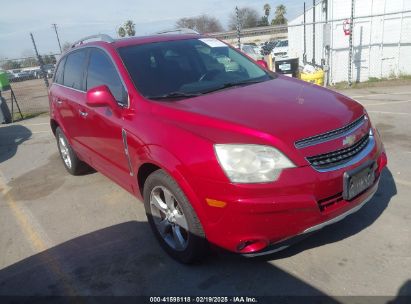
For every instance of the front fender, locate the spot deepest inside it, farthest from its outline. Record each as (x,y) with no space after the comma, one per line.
(165,160)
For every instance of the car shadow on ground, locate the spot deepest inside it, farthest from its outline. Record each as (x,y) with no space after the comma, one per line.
(352,224)
(126,260)
(11,136)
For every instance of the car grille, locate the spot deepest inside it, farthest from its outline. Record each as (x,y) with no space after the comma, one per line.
(338,157)
(313,140)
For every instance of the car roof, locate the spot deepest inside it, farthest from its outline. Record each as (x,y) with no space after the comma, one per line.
(153,38)
(129,41)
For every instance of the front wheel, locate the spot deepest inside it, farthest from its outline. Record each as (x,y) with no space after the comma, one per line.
(173,219)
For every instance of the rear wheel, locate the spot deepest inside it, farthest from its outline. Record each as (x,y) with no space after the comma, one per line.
(173,219)
(70,160)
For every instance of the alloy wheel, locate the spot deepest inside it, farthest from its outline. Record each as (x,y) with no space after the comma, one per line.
(169,218)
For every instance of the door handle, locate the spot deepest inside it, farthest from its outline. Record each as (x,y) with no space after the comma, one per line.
(83,113)
(59,101)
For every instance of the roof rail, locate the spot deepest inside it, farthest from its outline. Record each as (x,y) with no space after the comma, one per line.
(178,31)
(102,37)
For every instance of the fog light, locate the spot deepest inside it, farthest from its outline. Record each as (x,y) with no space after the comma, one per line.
(251,246)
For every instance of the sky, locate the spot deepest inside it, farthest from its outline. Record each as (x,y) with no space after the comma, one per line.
(79,18)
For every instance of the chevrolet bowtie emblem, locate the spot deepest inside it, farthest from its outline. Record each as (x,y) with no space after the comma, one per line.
(349,140)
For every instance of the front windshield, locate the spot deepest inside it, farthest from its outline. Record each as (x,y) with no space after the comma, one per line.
(192,66)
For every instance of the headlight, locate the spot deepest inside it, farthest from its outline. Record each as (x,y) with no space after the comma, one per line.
(251,163)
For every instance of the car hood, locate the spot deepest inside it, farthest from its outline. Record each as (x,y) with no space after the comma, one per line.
(283,108)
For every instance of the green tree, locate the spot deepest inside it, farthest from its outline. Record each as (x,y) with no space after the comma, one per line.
(29,62)
(10,65)
(66,46)
(202,24)
(127,29)
(121,32)
(248,17)
(267,10)
(49,59)
(264,19)
(279,18)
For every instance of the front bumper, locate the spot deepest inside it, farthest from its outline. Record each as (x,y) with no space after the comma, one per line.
(290,241)
(264,218)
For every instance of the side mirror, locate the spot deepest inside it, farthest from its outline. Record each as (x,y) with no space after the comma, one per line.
(262,63)
(100,97)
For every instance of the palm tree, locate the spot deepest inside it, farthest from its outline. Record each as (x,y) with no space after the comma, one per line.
(129,26)
(128,29)
(121,32)
(279,18)
(267,10)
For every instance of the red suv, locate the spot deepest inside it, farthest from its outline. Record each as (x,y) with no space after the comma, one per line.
(220,150)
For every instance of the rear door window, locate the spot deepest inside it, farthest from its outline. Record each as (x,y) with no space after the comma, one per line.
(74,70)
(101,71)
(59,72)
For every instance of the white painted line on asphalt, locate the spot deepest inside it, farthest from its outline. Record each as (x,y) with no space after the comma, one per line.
(35,235)
(386,103)
(394,113)
(31,228)
(379,94)
(36,124)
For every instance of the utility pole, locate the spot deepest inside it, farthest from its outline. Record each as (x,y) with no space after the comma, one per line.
(350,45)
(40,60)
(238,28)
(57,34)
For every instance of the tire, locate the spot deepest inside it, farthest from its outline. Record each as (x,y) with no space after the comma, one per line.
(175,217)
(71,162)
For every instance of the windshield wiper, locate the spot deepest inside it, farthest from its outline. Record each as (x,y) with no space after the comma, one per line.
(232,84)
(174,95)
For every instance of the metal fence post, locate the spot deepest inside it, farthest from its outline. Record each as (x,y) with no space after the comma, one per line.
(350,51)
(399,41)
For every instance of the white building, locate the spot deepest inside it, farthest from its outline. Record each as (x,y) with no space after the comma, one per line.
(381,38)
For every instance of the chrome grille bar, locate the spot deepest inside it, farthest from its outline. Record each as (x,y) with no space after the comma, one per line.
(327,136)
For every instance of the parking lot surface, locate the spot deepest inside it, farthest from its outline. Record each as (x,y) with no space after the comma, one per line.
(85,235)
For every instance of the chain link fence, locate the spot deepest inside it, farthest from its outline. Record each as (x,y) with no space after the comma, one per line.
(27,82)
(350,40)
(380,33)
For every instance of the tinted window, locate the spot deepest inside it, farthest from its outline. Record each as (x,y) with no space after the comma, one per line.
(194,66)
(73,71)
(101,71)
(59,73)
